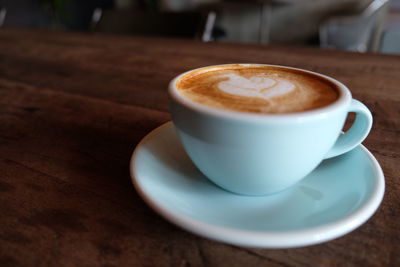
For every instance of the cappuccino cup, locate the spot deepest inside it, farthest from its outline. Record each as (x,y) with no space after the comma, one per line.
(256,129)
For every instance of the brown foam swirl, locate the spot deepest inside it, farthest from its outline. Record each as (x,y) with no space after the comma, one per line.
(257,89)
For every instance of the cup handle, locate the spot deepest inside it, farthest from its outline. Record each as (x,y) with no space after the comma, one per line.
(357,132)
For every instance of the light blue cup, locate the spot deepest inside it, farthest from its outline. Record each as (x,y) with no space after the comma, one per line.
(259,154)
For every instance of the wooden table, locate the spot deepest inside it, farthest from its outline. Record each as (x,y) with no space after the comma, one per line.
(72,109)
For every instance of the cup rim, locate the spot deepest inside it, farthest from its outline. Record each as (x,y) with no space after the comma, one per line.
(343,100)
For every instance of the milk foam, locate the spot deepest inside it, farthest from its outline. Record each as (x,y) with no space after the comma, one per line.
(257,89)
(255,86)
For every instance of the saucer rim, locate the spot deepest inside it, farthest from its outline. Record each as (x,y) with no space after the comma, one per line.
(263,239)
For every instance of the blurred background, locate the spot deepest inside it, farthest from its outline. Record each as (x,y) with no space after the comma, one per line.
(353,25)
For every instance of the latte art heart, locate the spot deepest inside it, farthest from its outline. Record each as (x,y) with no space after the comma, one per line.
(255,86)
(256,89)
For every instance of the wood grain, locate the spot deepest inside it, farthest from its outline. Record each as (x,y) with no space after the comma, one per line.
(72,109)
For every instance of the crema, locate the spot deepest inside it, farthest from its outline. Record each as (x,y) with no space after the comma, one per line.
(257,89)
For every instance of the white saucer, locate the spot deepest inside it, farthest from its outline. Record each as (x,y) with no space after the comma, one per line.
(340,195)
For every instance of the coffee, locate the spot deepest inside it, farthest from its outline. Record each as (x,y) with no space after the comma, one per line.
(244,152)
(257,89)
